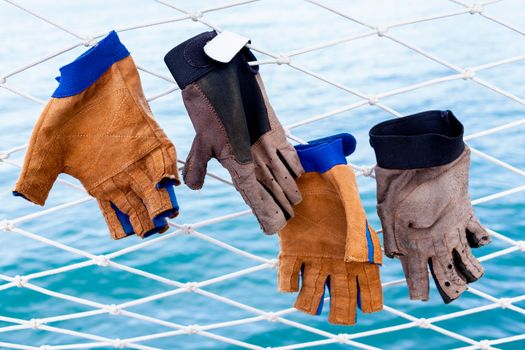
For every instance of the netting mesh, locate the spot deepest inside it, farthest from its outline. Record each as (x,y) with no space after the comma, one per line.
(86,339)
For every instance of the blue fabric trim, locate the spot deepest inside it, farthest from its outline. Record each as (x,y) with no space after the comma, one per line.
(159,221)
(80,74)
(168,185)
(124,220)
(320,306)
(358,296)
(323,154)
(370,244)
(321,303)
(18,194)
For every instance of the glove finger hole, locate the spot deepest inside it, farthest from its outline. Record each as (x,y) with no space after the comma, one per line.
(321,300)
(449,281)
(130,204)
(313,280)
(124,220)
(476,234)
(444,295)
(468,266)
(170,209)
(159,198)
(283,183)
(285,208)
(115,226)
(294,173)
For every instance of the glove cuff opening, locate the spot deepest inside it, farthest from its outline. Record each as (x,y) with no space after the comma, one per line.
(80,74)
(421,140)
(323,154)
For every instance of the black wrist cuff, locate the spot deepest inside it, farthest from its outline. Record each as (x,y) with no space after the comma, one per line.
(421,140)
(188,62)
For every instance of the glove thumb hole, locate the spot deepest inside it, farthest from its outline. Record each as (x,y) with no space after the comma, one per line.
(476,235)
(389,243)
(196,166)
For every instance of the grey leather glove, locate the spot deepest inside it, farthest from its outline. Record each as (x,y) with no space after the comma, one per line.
(423,202)
(236,124)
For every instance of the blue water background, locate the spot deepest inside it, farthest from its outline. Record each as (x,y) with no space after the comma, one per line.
(372,65)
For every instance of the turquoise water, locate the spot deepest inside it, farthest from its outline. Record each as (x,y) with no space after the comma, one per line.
(372,65)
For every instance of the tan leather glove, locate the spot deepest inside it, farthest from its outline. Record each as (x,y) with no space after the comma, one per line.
(99,128)
(235,123)
(423,202)
(329,241)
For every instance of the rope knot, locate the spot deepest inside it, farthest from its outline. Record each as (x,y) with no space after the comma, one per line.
(271,317)
(20,281)
(468,74)
(484,344)
(195,15)
(193,329)
(35,323)
(476,8)
(114,309)
(368,172)
(101,260)
(187,229)
(521,245)
(90,41)
(504,303)
(342,337)
(423,323)
(282,59)
(3,155)
(3,80)
(190,287)
(6,225)
(372,100)
(381,30)
(119,344)
(273,263)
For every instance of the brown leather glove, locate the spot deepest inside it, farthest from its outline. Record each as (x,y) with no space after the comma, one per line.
(329,241)
(423,202)
(235,123)
(99,128)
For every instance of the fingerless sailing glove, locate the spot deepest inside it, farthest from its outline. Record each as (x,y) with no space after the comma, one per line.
(98,128)
(235,123)
(329,241)
(423,202)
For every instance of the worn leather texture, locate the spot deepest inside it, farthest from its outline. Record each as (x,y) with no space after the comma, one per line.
(326,243)
(428,220)
(235,123)
(107,138)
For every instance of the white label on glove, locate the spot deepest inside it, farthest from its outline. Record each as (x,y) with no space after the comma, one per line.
(224,46)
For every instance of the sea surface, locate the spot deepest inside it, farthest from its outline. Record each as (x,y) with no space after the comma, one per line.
(372,65)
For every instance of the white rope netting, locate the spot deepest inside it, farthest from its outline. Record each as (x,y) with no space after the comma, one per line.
(406,321)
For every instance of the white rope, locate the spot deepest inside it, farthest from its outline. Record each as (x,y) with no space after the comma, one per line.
(10,226)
